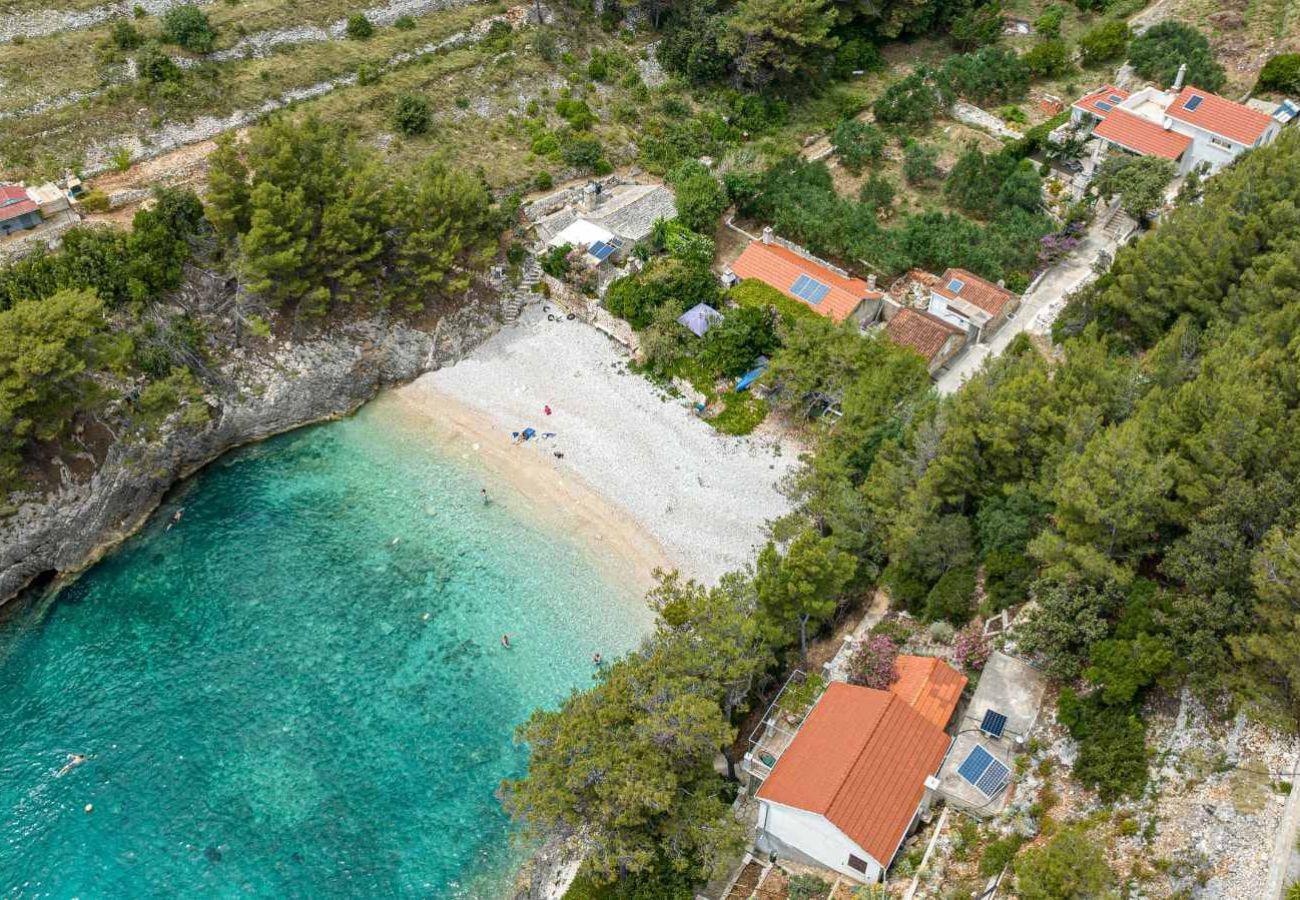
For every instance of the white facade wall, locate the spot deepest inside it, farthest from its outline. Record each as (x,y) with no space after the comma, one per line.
(817,837)
(1204,149)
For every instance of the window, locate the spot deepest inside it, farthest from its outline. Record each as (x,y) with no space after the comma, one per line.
(859,865)
(1115,98)
(1103,105)
(1220,142)
(1193,102)
(956,285)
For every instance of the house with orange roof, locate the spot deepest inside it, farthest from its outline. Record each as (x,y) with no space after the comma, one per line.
(824,288)
(936,340)
(1186,125)
(860,772)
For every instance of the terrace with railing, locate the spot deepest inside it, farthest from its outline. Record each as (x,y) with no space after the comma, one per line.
(780,723)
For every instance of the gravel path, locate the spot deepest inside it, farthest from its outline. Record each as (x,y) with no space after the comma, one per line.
(703,496)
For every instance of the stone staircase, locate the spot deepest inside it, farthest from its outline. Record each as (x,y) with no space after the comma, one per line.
(513,303)
(1119,224)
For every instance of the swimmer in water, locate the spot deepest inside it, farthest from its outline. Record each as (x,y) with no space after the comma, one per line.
(74,760)
(176,518)
(505,642)
(596,660)
(483,494)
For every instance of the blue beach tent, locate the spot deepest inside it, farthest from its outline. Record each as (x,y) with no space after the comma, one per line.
(699,318)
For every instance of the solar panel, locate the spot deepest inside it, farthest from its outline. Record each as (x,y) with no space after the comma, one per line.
(994,723)
(1115,98)
(1104,106)
(984,772)
(994,779)
(809,289)
(956,285)
(975,765)
(1193,102)
(600,250)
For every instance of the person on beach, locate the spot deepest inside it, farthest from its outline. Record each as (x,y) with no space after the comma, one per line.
(505,642)
(74,760)
(547,409)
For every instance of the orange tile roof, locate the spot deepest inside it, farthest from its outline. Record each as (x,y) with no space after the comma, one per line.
(975,290)
(1223,117)
(930,686)
(1101,95)
(860,759)
(1137,134)
(779,267)
(923,332)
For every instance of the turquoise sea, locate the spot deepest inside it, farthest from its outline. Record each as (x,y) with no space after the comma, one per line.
(299,689)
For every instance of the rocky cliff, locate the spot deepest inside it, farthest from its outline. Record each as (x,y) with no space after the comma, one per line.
(266,393)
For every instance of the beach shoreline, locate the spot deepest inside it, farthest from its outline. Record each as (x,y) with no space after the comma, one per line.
(628,470)
(532,485)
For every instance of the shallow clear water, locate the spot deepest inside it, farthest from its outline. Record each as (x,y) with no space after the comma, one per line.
(277,700)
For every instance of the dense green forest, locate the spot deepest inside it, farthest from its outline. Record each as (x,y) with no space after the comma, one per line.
(1140,486)
(309,225)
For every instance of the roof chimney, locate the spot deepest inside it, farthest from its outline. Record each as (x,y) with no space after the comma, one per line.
(1178,79)
(767,234)
(1002,283)
(871,282)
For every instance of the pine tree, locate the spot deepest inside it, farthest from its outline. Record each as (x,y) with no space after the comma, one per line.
(227,198)
(778,40)
(274,253)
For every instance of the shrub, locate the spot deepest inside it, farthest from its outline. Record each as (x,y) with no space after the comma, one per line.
(411,115)
(857,55)
(700,203)
(580,150)
(857,144)
(404,23)
(188,27)
(153,65)
(754,294)
(1048,59)
(1112,744)
(1071,866)
(543,181)
(1281,73)
(1160,50)
(970,648)
(126,36)
(359,28)
(807,887)
(741,413)
(914,100)
(545,144)
(952,597)
(367,73)
(919,163)
(95,201)
(576,113)
(121,158)
(999,853)
(731,346)
(1049,23)
(977,27)
(1105,43)
(941,632)
(877,192)
(989,75)
(875,663)
(636,297)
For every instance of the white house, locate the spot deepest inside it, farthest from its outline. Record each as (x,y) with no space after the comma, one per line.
(1187,125)
(859,774)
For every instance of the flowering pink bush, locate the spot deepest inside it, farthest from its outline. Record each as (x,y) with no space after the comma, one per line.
(874,665)
(970,648)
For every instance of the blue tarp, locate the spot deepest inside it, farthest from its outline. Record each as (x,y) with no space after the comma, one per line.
(699,318)
(760,366)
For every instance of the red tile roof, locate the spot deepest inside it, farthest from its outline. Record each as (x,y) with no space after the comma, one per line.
(975,290)
(924,333)
(930,686)
(1223,117)
(779,267)
(860,759)
(1101,95)
(14,201)
(1137,134)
